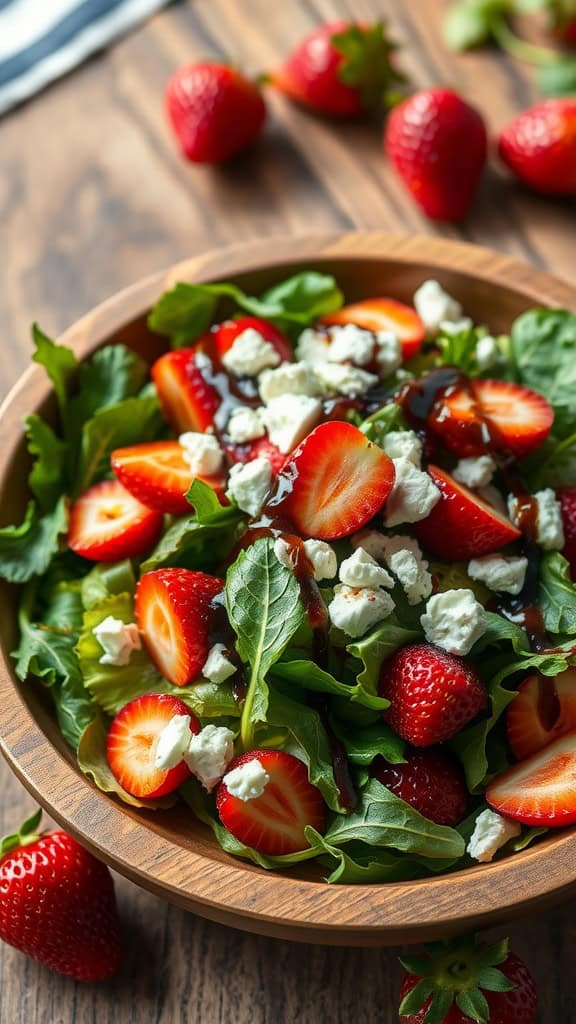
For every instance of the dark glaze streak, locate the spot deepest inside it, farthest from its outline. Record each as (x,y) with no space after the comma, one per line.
(549,709)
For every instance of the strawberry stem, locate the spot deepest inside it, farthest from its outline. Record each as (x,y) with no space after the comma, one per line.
(25,836)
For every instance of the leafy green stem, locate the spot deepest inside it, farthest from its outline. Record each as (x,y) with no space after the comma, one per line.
(539,56)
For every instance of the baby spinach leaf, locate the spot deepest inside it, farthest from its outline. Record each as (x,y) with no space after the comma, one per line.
(92,761)
(378,865)
(378,645)
(557,594)
(59,362)
(47,479)
(309,676)
(552,465)
(192,545)
(543,350)
(302,298)
(132,421)
(364,743)
(26,550)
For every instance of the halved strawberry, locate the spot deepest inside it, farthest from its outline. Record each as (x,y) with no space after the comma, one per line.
(274,822)
(334,482)
(461,525)
(540,790)
(188,401)
(384,314)
(260,449)
(544,708)
(567,498)
(107,523)
(132,741)
(159,476)
(225,335)
(522,418)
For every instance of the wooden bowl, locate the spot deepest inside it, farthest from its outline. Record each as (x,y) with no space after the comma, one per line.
(171,853)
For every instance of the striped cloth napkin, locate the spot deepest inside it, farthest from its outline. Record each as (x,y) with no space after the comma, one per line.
(43,39)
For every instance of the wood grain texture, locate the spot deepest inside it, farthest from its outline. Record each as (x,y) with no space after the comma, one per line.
(92,197)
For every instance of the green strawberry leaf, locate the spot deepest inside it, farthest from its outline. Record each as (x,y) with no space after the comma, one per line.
(474,1005)
(367,63)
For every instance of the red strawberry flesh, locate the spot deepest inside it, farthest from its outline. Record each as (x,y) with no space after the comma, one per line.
(540,790)
(225,334)
(159,476)
(107,524)
(188,401)
(384,314)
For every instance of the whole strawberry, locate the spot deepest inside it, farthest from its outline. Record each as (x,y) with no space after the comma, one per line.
(460,982)
(432,694)
(567,499)
(438,144)
(432,781)
(342,69)
(539,146)
(214,110)
(58,904)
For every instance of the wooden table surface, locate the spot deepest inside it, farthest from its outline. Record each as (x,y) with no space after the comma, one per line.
(93,195)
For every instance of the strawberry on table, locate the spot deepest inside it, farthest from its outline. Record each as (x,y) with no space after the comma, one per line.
(214,110)
(58,904)
(567,498)
(265,800)
(539,146)
(188,401)
(173,611)
(159,476)
(225,334)
(539,790)
(543,709)
(430,780)
(107,524)
(384,314)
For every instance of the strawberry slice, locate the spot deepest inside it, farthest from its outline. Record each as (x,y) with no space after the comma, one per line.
(384,315)
(540,790)
(521,419)
(461,525)
(567,498)
(107,523)
(334,482)
(543,709)
(188,401)
(173,614)
(132,741)
(159,476)
(225,335)
(274,822)
(259,449)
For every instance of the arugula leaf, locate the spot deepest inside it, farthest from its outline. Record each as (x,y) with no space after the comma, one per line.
(364,744)
(207,507)
(92,761)
(192,545)
(309,676)
(265,610)
(557,594)
(543,352)
(58,361)
(26,550)
(47,479)
(378,645)
(132,421)
(376,865)
(389,417)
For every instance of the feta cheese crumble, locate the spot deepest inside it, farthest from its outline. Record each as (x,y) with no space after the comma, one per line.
(344,379)
(486,352)
(321,555)
(173,742)
(454,620)
(245,424)
(209,753)
(355,609)
(403,444)
(405,559)
(117,639)
(249,484)
(388,352)
(248,781)
(499,572)
(549,525)
(217,667)
(361,570)
(351,344)
(202,453)
(313,346)
(453,327)
(434,306)
(413,496)
(491,832)
(249,354)
(476,471)
(287,379)
(290,418)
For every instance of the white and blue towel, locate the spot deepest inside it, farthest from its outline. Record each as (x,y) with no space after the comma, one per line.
(43,39)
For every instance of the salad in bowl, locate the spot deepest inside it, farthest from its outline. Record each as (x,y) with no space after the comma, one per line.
(312,573)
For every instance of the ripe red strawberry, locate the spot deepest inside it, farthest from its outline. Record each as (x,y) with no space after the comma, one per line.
(432,694)
(159,476)
(274,822)
(262,448)
(107,524)
(214,111)
(461,525)
(520,417)
(132,741)
(173,611)
(465,978)
(430,780)
(543,709)
(58,904)
(567,498)
(539,790)
(438,145)
(225,335)
(188,401)
(384,315)
(539,146)
(334,482)
(342,69)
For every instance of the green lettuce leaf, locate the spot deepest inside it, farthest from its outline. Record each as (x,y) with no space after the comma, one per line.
(207,507)
(92,761)
(543,351)
(27,550)
(307,675)
(106,579)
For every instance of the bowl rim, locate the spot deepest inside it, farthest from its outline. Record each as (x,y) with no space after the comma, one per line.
(234,892)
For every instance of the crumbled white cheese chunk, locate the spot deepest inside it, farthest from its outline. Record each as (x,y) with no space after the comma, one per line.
(355,609)
(249,484)
(454,620)
(217,667)
(388,352)
(248,781)
(476,471)
(361,570)
(245,424)
(344,379)
(403,444)
(287,379)
(413,496)
(499,572)
(313,346)
(549,525)
(491,832)
(202,453)
(486,352)
(290,418)
(351,344)
(372,541)
(323,559)
(404,558)
(434,306)
(209,753)
(249,354)
(117,639)
(172,742)
(282,552)
(453,327)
